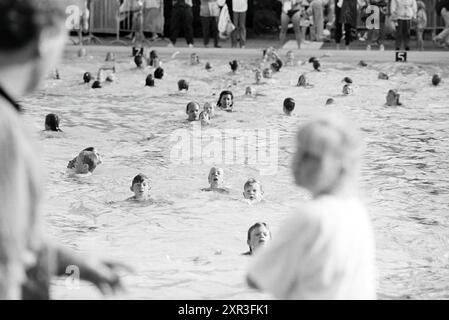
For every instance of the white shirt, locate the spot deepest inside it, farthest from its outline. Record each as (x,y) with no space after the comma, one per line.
(326,251)
(239,5)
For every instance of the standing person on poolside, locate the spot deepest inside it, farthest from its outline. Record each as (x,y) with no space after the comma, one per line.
(345,20)
(181,18)
(316,30)
(209,12)
(325,250)
(33,38)
(402,12)
(442,9)
(291,12)
(239,8)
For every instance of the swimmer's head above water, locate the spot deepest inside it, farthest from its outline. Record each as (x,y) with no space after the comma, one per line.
(193,111)
(226,100)
(216,177)
(141,187)
(252,190)
(209,109)
(52,122)
(86,162)
(71,164)
(258,237)
(289,106)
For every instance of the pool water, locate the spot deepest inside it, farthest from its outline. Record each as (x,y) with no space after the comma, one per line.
(187,244)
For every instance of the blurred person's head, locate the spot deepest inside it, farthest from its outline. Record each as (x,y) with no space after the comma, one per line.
(33,36)
(420,5)
(327,157)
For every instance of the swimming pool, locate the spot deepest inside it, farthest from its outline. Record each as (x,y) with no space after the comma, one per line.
(188,244)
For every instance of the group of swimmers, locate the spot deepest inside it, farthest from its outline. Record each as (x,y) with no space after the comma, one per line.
(89,158)
(258,234)
(333,230)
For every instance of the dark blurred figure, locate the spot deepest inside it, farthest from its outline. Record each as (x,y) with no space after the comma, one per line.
(181,18)
(266,16)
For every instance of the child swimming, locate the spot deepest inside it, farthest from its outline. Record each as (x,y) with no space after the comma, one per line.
(216,178)
(252,190)
(98,160)
(141,188)
(85,162)
(226,101)
(326,250)
(209,108)
(289,106)
(52,122)
(393,98)
(258,237)
(193,111)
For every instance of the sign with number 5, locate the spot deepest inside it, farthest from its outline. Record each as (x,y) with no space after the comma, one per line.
(401,56)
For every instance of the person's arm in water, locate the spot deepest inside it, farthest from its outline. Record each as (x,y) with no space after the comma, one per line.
(102,274)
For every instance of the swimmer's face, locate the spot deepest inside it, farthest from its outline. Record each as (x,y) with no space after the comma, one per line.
(193,112)
(216,176)
(208,108)
(226,101)
(253,192)
(317,166)
(259,238)
(141,190)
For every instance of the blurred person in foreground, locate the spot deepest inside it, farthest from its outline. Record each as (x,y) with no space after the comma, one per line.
(33,38)
(326,249)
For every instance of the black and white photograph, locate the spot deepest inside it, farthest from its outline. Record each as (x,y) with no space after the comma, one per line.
(236,151)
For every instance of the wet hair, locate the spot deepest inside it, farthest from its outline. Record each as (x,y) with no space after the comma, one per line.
(223,93)
(158,73)
(138,60)
(149,81)
(254,226)
(289,104)
(436,79)
(139,179)
(183,85)
(89,158)
(252,181)
(52,122)
(22,21)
